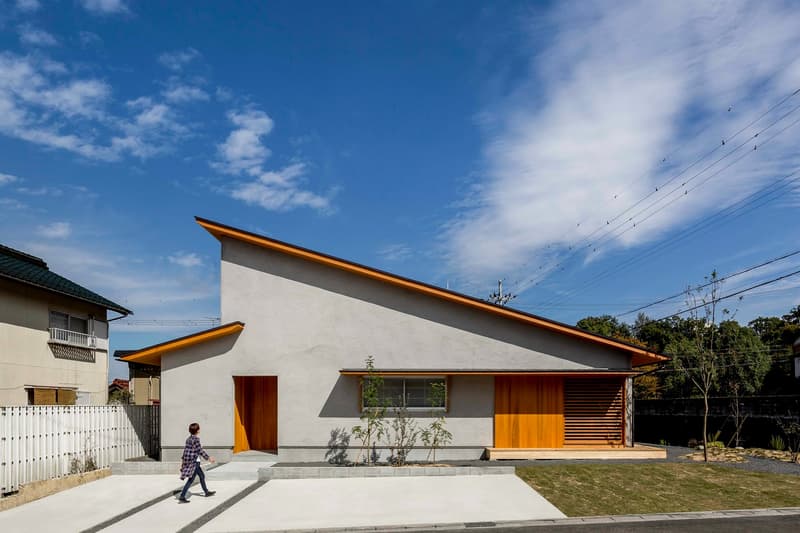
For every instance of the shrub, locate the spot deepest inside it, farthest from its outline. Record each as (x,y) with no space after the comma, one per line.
(776,443)
(716,444)
(436,434)
(403,436)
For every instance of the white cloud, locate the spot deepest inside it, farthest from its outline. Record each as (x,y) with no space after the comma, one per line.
(185,93)
(39,103)
(620,88)
(279,190)
(396,252)
(223,94)
(35,36)
(243,153)
(185,259)
(28,5)
(105,7)
(55,230)
(5,179)
(40,191)
(11,203)
(178,59)
(243,149)
(89,38)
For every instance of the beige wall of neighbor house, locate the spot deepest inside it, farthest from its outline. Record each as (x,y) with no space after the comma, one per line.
(145,384)
(28,358)
(305,322)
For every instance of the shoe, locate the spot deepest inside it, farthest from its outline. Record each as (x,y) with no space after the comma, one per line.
(183,500)
(210,493)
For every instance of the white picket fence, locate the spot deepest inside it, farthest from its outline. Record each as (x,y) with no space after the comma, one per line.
(41,442)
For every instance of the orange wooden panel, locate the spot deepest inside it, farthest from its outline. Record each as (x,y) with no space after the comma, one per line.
(255,413)
(594,411)
(240,443)
(529,412)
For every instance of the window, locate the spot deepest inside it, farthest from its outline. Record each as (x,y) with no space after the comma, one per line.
(413,393)
(68,322)
(51,396)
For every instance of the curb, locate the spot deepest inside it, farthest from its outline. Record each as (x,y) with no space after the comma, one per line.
(324,472)
(585,520)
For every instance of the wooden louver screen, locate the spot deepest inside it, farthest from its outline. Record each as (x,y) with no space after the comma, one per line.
(593,411)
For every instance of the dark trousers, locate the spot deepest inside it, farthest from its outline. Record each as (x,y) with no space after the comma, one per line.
(198,472)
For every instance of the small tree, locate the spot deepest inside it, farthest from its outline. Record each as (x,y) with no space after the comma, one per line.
(373,426)
(436,434)
(790,425)
(695,356)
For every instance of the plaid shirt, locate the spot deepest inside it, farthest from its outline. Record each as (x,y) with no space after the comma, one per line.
(191,452)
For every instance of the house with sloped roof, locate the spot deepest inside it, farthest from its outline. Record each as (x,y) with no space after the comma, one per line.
(53,335)
(285,371)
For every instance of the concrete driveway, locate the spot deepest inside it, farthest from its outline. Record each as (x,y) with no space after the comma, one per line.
(146,503)
(357,502)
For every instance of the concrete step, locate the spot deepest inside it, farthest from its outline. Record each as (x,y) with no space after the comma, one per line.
(242,470)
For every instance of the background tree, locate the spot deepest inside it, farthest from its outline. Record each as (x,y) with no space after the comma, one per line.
(607,326)
(745,362)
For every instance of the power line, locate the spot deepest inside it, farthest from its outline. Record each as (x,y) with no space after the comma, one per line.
(731,295)
(729,276)
(611,231)
(767,193)
(211,321)
(672,179)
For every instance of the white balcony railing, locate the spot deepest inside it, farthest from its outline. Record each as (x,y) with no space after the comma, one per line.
(73,338)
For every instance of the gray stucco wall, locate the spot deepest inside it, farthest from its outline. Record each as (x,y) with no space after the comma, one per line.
(305,322)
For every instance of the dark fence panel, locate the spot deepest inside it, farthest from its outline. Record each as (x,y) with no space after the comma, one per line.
(675,421)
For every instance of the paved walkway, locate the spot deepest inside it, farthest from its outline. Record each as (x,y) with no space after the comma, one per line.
(85,506)
(357,502)
(147,503)
(169,516)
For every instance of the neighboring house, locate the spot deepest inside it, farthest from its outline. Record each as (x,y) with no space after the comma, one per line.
(145,381)
(53,336)
(118,386)
(285,369)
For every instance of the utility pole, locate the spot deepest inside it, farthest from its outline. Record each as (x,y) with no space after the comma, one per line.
(498,298)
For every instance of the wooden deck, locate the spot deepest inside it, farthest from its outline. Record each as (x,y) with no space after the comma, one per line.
(638,451)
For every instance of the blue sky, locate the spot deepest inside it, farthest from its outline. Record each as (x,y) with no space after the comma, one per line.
(453,142)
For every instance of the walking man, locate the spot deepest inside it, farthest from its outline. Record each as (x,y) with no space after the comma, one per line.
(190,466)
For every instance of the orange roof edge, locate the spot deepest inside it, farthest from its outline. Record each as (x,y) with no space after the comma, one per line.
(640,356)
(152,354)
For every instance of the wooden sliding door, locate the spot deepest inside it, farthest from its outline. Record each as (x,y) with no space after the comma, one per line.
(529,412)
(255,413)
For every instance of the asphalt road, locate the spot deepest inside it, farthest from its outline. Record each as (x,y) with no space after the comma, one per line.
(704,525)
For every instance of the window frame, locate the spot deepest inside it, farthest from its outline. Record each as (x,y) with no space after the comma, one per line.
(88,319)
(429,409)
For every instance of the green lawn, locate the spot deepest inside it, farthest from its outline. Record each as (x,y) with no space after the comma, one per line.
(592,489)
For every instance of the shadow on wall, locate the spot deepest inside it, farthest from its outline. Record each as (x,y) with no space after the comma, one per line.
(429,308)
(199,352)
(342,402)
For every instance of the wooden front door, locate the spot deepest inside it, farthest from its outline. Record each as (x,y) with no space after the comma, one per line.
(256,413)
(528,412)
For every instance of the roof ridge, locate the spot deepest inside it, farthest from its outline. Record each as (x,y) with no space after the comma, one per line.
(23,256)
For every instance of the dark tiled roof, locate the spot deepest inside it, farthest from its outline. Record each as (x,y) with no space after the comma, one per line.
(31,270)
